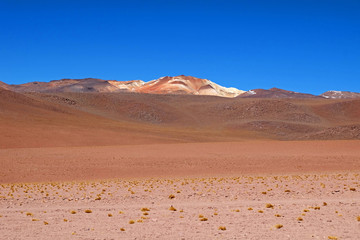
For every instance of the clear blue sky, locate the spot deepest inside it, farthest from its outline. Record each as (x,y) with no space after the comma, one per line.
(301,45)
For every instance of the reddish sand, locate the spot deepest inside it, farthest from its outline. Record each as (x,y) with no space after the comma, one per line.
(178,160)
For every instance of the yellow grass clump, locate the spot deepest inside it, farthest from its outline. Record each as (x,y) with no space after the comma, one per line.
(110,215)
(29,214)
(277,215)
(278,226)
(358,218)
(171,196)
(46,223)
(332,237)
(250,208)
(300,219)
(131,222)
(73,212)
(145,209)
(222,228)
(324,204)
(260,211)
(353,189)
(171,208)
(122,229)
(88,211)
(268,205)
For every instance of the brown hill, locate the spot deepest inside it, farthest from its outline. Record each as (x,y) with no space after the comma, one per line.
(166,85)
(4,85)
(44,120)
(275,93)
(68,85)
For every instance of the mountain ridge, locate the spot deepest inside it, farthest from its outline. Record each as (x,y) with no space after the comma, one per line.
(185,85)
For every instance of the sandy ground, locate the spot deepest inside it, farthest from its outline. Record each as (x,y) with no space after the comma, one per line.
(254,189)
(309,206)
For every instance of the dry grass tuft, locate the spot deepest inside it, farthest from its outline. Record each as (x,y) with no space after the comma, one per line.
(171,208)
(332,237)
(73,212)
(250,209)
(29,214)
(110,215)
(203,219)
(300,219)
(277,215)
(278,226)
(35,220)
(268,205)
(122,229)
(317,208)
(222,228)
(260,211)
(353,189)
(171,196)
(131,222)
(145,209)
(88,211)
(358,218)
(325,204)
(46,223)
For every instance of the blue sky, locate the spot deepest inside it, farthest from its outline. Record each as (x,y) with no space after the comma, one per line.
(306,46)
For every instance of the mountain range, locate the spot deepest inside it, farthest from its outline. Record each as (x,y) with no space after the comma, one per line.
(165,85)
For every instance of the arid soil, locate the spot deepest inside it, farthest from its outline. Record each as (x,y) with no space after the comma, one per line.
(141,166)
(312,188)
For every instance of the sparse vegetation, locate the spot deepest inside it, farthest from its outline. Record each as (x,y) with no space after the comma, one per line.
(172,208)
(268,205)
(222,228)
(278,226)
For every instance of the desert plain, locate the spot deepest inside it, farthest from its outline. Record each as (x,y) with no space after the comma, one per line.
(142,166)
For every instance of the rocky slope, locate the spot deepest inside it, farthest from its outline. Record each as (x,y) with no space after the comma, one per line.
(340,95)
(165,85)
(275,93)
